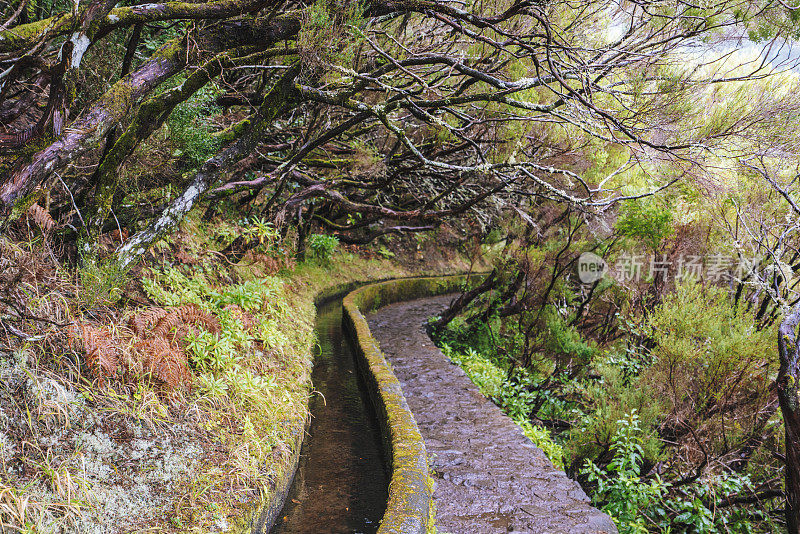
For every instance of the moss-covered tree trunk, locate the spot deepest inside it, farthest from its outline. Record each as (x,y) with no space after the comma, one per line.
(789,398)
(89,129)
(280,98)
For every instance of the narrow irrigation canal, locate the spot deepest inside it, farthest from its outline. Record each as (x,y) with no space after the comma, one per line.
(340,485)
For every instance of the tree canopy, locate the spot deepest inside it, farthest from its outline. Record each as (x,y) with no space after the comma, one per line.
(375,117)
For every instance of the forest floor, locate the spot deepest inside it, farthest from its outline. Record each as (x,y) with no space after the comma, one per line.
(167,398)
(490,478)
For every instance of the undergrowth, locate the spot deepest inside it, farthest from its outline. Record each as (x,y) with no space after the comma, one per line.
(639,504)
(172,397)
(491,380)
(198,397)
(632,420)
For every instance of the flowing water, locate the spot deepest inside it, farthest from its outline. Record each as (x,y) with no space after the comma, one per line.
(340,485)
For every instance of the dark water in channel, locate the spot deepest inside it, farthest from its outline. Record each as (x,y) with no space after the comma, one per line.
(340,486)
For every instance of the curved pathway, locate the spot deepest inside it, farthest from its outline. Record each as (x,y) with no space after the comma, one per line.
(489,477)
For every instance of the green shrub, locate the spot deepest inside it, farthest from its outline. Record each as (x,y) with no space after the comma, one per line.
(322,246)
(645,221)
(607,400)
(564,339)
(621,491)
(701,341)
(518,394)
(190,128)
(101,282)
(638,504)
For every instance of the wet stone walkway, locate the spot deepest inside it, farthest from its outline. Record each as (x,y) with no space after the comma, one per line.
(489,477)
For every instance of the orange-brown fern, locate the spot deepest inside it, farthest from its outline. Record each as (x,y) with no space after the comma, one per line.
(187,314)
(102,350)
(41,217)
(164,361)
(154,335)
(143,322)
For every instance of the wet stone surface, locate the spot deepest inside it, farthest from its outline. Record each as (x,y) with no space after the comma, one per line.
(489,477)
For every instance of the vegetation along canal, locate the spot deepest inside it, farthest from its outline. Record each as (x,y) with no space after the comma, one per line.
(340,485)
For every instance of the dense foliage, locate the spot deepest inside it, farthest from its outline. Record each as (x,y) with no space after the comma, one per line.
(676,433)
(659,136)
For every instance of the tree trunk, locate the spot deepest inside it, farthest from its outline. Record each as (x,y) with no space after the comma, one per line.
(90,128)
(275,103)
(787,383)
(463,301)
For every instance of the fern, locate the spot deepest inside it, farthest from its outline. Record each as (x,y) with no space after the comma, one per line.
(145,321)
(41,217)
(187,314)
(164,361)
(101,348)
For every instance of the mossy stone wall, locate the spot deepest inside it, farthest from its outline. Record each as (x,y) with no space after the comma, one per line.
(409,508)
(265,513)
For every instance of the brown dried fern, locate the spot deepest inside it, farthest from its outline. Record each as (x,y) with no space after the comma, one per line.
(154,334)
(41,217)
(186,314)
(102,350)
(164,361)
(143,322)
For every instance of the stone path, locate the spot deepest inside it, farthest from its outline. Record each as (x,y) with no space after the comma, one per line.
(490,477)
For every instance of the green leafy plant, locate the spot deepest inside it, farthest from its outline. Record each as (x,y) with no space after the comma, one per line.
(213,387)
(322,246)
(621,490)
(211,352)
(639,503)
(645,222)
(488,377)
(191,128)
(170,287)
(385,252)
(265,232)
(541,438)
(248,296)
(101,282)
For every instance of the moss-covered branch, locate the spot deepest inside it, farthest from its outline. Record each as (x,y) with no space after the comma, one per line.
(280,98)
(25,36)
(150,116)
(88,130)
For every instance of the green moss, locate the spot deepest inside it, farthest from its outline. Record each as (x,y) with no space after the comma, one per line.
(22,205)
(232,132)
(24,35)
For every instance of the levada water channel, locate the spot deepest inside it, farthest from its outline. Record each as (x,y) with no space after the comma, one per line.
(340,485)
